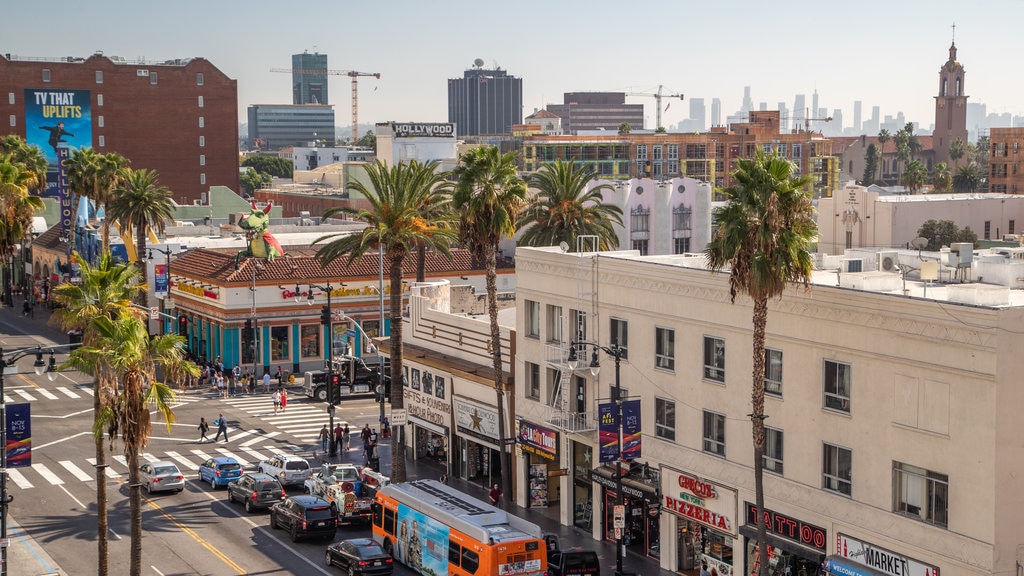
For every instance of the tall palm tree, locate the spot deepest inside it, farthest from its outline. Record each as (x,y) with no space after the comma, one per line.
(957,149)
(488,196)
(967,178)
(17,206)
(140,203)
(563,208)
(95,176)
(29,155)
(81,167)
(764,232)
(106,290)
(123,344)
(883,137)
(942,177)
(902,140)
(915,176)
(399,197)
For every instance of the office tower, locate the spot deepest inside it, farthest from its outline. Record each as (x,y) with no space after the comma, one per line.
(950,107)
(280,125)
(309,78)
(835,127)
(716,111)
(799,111)
(485,101)
(698,114)
(596,111)
(748,104)
(856,116)
(815,113)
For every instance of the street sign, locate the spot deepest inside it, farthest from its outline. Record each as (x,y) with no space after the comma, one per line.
(169,302)
(620,517)
(618,532)
(350,333)
(399,417)
(154,313)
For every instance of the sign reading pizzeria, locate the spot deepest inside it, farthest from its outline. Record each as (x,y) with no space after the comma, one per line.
(699,500)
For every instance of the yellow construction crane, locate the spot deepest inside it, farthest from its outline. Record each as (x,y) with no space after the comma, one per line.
(657,100)
(355,89)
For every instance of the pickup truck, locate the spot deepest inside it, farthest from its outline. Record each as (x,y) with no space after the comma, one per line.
(352,499)
(365,381)
(570,561)
(320,478)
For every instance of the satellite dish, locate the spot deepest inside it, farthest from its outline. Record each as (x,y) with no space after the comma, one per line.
(919,243)
(479,62)
(563,246)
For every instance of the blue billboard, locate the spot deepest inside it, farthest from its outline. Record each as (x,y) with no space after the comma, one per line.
(422,542)
(55,119)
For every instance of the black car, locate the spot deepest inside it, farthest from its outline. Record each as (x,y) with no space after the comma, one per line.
(257,490)
(359,556)
(305,516)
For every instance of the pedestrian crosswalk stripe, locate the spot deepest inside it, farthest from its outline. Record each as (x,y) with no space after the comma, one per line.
(266,436)
(67,392)
(242,433)
(256,455)
(108,470)
(230,454)
(23,394)
(120,459)
(75,470)
(19,478)
(46,474)
(182,460)
(47,394)
(149,457)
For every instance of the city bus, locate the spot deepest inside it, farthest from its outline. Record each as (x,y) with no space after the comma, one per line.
(437,530)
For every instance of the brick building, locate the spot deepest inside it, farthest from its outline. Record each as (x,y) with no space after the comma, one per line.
(177,117)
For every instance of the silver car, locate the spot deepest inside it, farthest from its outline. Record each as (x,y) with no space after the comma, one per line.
(161,477)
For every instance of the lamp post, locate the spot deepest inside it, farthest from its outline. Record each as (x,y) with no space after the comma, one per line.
(252,313)
(615,351)
(8,359)
(325,320)
(167,271)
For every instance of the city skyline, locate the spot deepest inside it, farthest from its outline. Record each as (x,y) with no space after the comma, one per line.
(882,54)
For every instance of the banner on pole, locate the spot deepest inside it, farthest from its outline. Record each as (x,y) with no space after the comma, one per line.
(19,435)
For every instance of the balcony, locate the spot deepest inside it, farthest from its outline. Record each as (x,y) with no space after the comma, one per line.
(573,422)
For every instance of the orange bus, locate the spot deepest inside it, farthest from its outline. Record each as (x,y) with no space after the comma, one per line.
(437,530)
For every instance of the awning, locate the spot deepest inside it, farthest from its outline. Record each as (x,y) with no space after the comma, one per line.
(605,476)
(750,531)
(840,566)
(437,428)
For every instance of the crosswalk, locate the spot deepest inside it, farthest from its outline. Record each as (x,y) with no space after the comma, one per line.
(301,420)
(18,395)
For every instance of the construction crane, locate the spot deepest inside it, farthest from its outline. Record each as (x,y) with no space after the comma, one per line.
(657,100)
(808,119)
(355,89)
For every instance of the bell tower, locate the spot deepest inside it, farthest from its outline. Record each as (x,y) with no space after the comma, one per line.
(950,107)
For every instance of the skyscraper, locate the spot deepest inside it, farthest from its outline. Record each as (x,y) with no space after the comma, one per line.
(716,112)
(485,101)
(698,114)
(856,116)
(799,112)
(309,85)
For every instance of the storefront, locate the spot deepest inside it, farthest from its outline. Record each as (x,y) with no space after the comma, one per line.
(642,532)
(476,428)
(795,547)
(540,451)
(705,514)
(427,399)
(582,486)
(855,557)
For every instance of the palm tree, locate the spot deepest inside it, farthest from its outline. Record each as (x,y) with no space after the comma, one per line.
(563,208)
(488,196)
(883,137)
(123,344)
(139,203)
(105,291)
(957,149)
(902,140)
(17,206)
(942,177)
(399,197)
(915,176)
(81,168)
(967,178)
(109,171)
(29,155)
(764,232)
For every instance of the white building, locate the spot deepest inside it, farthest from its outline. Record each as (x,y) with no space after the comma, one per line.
(399,142)
(893,413)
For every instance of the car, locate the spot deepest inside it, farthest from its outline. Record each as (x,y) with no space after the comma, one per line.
(305,516)
(289,470)
(256,490)
(219,471)
(359,556)
(327,474)
(161,476)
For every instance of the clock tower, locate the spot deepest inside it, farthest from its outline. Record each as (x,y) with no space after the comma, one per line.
(950,108)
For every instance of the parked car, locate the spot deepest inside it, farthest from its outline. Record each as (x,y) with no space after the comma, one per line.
(359,556)
(570,562)
(161,476)
(256,490)
(289,470)
(305,516)
(219,471)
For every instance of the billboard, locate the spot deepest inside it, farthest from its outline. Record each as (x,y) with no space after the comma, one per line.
(54,119)
(422,542)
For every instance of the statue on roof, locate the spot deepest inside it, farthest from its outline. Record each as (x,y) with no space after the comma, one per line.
(262,243)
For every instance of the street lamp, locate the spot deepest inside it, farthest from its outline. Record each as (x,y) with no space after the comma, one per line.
(8,359)
(252,313)
(325,320)
(615,351)
(167,270)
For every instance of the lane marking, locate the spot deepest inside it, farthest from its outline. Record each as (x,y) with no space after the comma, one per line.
(47,475)
(67,392)
(75,471)
(19,478)
(195,536)
(259,439)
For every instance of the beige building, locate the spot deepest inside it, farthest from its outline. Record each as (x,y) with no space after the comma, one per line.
(893,414)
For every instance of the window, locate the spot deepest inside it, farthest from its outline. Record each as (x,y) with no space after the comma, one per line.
(665,348)
(554,323)
(837,463)
(682,216)
(773,372)
(680,245)
(152,78)
(988,229)
(579,324)
(673,152)
(773,450)
(619,329)
(309,336)
(202,178)
(99,99)
(665,419)
(532,381)
(641,151)
(1012,227)
(101,141)
(439,386)
(10,97)
(200,101)
(415,378)
(554,381)
(837,386)
(640,246)
(202,122)
(920,494)
(99,76)
(714,433)
(428,383)
(279,347)
(202,159)
(532,319)
(199,79)
(46,75)
(99,121)
(202,141)
(714,359)
(640,219)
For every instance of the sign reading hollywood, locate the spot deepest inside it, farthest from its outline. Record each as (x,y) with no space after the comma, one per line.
(476,420)
(699,500)
(881,559)
(424,129)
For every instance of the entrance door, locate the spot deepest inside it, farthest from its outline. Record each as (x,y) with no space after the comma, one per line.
(581,394)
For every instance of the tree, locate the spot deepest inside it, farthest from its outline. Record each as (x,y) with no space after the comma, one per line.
(883,137)
(871,162)
(141,204)
(563,208)
(915,176)
(765,229)
(967,178)
(945,232)
(30,156)
(253,180)
(398,198)
(105,290)
(488,196)
(902,140)
(957,149)
(625,128)
(369,140)
(913,144)
(942,178)
(660,130)
(273,165)
(17,206)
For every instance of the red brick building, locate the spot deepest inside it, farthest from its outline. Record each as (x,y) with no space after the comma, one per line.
(177,117)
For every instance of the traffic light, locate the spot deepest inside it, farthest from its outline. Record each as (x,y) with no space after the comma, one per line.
(182,325)
(335,400)
(325,315)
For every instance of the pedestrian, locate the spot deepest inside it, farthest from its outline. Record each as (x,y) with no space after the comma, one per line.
(277,400)
(325,438)
(222,385)
(280,376)
(365,437)
(346,438)
(284,399)
(385,428)
(373,436)
(444,478)
(203,429)
(704,568)
(222,428)
(266,381)
(495,495)
(339,433)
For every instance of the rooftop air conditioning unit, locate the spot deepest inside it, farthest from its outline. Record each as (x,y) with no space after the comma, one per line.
(853,265)
(304,214)
(965,251)
(888,261)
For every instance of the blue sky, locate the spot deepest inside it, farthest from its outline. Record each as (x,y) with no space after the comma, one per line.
(884,53)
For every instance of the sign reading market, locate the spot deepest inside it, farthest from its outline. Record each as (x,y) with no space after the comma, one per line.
(699,500)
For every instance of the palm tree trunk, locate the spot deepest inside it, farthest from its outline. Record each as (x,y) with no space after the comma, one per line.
(491,264)
(397,382)
(421,263)
(135,502)
(102,526)
(760,320)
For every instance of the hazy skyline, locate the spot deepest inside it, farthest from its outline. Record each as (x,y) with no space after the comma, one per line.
(884,54)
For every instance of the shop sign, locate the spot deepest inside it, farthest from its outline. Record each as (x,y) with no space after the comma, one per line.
(881,559)
(628,490)
(196,290)
(538,440)
(699,500)
(340,292)
(789,528)
(426,407)
(476,421)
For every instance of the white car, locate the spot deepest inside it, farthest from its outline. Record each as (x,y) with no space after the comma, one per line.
(319,478)
(161,476)
(289,470)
